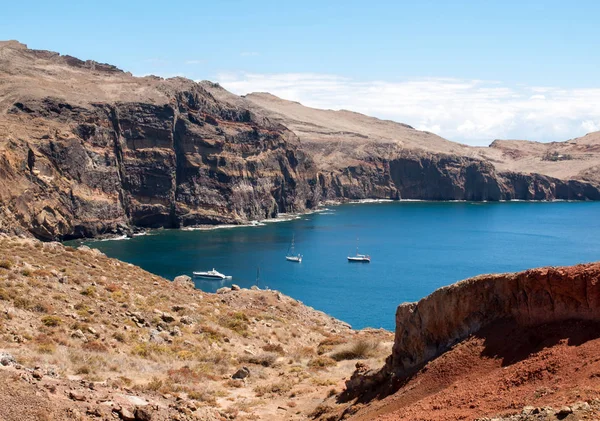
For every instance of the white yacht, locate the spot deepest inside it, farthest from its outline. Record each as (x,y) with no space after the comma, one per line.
(291,256)
(212,274)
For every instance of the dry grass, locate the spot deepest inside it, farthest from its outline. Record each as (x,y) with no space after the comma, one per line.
(321,362)
(69,290)
(359,350)
(51,321)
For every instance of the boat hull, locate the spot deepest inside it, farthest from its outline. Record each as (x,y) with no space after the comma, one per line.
(359,259)
(293,259)
(211,277)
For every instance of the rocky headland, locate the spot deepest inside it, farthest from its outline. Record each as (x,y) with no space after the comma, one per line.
(491,345)
(87,149)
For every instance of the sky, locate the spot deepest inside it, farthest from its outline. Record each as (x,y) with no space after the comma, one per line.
(471,71)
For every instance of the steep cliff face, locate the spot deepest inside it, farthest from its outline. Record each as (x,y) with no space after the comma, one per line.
(426,329)
(83,171)
(420,176)
(87,149)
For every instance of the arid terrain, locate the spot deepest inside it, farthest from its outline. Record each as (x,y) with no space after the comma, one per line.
(334,137)
(86,337)
(83,336)
(521,345)
(87,149)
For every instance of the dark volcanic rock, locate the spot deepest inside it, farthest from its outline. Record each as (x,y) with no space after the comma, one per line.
(86,150)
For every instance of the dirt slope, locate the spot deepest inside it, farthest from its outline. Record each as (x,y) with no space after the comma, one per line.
(488,346)
(498,372)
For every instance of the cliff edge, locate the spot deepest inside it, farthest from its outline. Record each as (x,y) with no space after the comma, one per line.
(426,329)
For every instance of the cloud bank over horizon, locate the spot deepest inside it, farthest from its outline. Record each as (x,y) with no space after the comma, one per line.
(474,112)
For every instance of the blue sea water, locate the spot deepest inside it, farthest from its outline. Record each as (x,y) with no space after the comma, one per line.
(416,247)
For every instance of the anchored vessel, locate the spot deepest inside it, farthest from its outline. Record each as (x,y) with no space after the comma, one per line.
(291,256)
(211,274)
(362,258)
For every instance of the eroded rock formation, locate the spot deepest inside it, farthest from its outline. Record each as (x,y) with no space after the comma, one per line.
(426,329)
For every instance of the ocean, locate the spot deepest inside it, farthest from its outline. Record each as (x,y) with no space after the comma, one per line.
(415,247)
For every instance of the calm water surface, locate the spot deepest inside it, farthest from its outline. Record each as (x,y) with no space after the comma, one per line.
(415,247)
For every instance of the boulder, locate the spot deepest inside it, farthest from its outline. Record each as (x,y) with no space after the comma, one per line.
(126,415)
(77,395)
(242,373)
(7,359)
(184,281)
(235,287)
(223,290)
(78,334)
(167,318)
(155,337)
(142,414)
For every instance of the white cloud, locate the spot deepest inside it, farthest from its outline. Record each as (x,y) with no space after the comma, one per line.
(590,126)
(470,111)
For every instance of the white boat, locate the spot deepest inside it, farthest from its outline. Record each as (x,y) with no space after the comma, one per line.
(212,274)
(291,256)
(362,258)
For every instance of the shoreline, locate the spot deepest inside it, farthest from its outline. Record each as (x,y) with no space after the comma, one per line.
(323,207)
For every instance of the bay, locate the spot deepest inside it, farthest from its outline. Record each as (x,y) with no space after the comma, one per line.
(416,247)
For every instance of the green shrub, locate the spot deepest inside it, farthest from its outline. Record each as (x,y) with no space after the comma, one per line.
(51,321)
(6,264)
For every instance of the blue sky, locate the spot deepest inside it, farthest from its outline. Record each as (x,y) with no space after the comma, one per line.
(483,67)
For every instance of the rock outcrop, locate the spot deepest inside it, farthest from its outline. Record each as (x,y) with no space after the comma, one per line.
(426,329)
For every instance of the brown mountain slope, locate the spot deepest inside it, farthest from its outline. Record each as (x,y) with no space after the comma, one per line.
(336,136)
(83,337)
(87,149)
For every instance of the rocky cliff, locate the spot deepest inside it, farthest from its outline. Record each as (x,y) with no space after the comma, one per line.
(75,166)
(426,329)
(87,149)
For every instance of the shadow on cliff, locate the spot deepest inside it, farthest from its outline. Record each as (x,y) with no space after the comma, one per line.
(502,340)
(511,343)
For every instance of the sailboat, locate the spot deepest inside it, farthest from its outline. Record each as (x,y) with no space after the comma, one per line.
(291,256)
(362,258)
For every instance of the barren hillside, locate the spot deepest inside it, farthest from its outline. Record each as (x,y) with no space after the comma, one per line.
(336,136)
(83,336)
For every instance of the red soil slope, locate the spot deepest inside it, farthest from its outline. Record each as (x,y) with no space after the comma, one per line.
(497,372)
